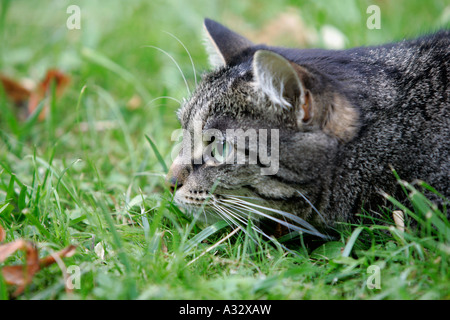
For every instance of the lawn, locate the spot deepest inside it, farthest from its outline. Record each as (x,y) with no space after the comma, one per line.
(91,172)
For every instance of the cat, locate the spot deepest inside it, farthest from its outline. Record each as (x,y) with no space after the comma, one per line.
(342,120)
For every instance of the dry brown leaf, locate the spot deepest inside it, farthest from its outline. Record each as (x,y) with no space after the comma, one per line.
(8,249)
(64,253)
(21,275)
(61,82)
(2,234)
(14,90)
(30,99)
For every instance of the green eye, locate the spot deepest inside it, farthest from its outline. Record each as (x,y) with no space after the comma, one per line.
(221,150)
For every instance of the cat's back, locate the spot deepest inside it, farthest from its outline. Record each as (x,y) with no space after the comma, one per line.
(401,63)
(402,93)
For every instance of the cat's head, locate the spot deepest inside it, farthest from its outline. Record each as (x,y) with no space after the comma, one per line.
(259,135)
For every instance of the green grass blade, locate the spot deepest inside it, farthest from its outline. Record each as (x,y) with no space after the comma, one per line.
(32,119)
(204,234)
(158,155)
(107,63)
(351,241)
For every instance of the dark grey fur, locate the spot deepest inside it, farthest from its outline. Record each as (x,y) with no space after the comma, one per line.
(374,108)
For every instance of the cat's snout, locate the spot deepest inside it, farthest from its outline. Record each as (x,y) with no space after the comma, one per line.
(173,184)
(177,175)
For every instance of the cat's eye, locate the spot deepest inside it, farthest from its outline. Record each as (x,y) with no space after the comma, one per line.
(221,150)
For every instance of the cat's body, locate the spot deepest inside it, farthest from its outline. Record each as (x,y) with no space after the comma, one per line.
(345,118)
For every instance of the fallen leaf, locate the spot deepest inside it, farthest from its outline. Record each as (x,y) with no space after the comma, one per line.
(17,93)
(27,99)
(19,276)
(2,234)
(64,253)
(22,275)
(61,81)
(9,248)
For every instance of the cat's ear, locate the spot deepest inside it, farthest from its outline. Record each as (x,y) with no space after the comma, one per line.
(223,44)
(288,86)
(278,79)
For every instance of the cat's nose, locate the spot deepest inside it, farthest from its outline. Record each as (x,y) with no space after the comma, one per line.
(173,184)
(177,175)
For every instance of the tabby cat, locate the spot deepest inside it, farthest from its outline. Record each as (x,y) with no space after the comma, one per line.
(342,119)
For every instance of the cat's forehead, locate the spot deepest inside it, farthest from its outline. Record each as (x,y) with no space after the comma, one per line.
(218,90)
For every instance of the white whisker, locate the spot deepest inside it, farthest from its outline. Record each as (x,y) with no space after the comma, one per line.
(290,216)
(244,223)
(204,214)
(176,64)
(163,97)
(258,230)
(227,217)
(189,54)
(257,212)
(282,222)
(242,197)
(312,206)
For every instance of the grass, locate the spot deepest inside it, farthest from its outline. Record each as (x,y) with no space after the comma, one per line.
(92,173)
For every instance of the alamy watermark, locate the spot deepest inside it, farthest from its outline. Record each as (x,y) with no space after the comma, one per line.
(74,20)
(374,280)
(73,279)
(374,20)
